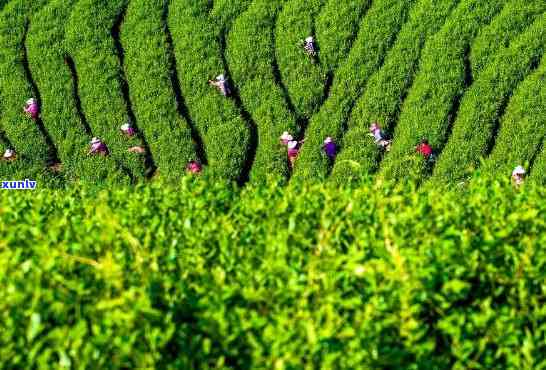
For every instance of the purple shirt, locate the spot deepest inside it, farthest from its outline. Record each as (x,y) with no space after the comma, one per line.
(99,148)
(330,149)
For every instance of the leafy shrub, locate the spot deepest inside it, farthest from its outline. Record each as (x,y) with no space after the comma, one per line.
(197,275)
(89,40)
(337,27)
(47,59)
(152,94)
(376,35)
(481,106)
(539,168)
(522,128)
(249,54)
(387,88)
(429,107)
(24,135)
(305,81)
(514,18)
(199,55)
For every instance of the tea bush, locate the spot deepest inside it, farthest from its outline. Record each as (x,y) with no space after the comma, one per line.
(387,88)
(90,42)
(201,276)
(522,128)
(151,91)
(249,54)
(514,18)
(429,107)
(24,135)
(304,79)
(482,104)
(48,60)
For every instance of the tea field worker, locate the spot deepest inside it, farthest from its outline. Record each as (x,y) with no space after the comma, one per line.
(379,137)
(221,84)
(518,176)
(293,151)
(98,147)
(285,138)
(194,167)
(9,155)
(425,150)
(330,147)
(128,130)
(309,46)
(32,109)
(137,149)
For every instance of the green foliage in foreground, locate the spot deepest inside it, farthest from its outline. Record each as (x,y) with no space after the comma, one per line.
(271,277)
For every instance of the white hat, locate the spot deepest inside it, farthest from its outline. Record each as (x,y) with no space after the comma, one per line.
(221,77)
(519,170)
(31,101)
(126,127)
(9,153)
(292,144)
(309,39)
(95,140)
(286,136)
(328,140)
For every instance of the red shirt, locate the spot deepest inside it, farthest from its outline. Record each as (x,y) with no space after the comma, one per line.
(425,149)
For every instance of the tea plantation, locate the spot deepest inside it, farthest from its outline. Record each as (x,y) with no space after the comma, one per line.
(449,71)
(195,239)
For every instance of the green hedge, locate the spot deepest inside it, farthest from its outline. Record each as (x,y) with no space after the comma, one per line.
(148,66)
(428,109)
(337,27)
(514,18)
(387,88)
(47,59)
(376,35)
(249,54)
(522,128)
(197,276)
(304,80)
(198,52)
(538,174)
(34,152)
(481,106)
(89,40)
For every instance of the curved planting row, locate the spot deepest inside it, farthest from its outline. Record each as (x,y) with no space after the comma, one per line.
(198,50)
(90,41)
(148,72)
(432,101)
(523,127)
(483,103)
(512,20)
(47,59)
(249,54)
(539,168)
(337,28)
(377,33)
(387,88)
(304,78)
(27,137)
